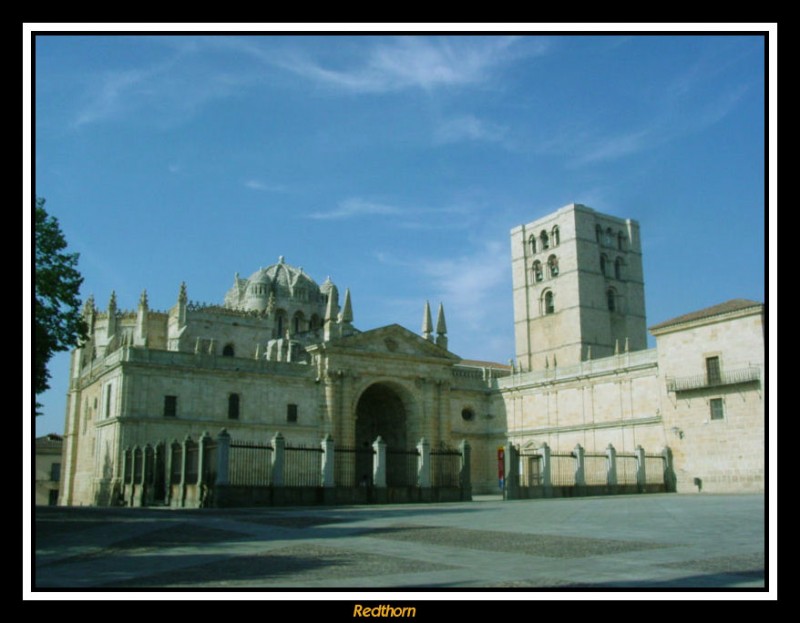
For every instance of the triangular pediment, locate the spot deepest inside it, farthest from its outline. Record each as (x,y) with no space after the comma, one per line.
(392,340)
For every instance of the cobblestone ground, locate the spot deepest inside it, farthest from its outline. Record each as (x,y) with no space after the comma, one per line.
(650,541)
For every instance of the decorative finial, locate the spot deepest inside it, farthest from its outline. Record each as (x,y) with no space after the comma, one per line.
(281,259)
(427,323)
(182,293)
(112,302)
(143,299)
(441,324)
(555,363)
(616,347)
(346,316)
(627,345)
(589,353)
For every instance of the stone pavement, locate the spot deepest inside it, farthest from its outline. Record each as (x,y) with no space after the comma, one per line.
(663,541)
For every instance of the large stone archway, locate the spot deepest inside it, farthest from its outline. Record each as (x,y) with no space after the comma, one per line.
(380,411)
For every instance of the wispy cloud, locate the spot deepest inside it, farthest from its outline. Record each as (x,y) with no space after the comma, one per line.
(258,185)
(110,96)
(415,62)
(468,128)
(355,207)
(614,147)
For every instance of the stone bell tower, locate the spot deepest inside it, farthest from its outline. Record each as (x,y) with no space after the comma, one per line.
(578,288)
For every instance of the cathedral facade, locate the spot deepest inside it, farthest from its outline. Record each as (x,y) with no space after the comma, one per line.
(281,353)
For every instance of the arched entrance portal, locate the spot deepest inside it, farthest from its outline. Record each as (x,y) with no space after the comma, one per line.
(380,412)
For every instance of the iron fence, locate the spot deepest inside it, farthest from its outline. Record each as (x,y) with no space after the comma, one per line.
(176,463)
(627,466)
(595,469)
(352,466)
(530,466)
(446,467)
(562,470)
(401,467)
(250,463)
(654,469)
(192,456)
(138,465)
(210,461)
(302,467)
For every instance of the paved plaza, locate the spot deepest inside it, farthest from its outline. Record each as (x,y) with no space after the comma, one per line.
(662,541)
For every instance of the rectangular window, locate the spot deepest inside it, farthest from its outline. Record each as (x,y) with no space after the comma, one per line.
(55,472)
(108,400)
(713,375)
(233,406)
(170,406)
(291,413)
(717,411)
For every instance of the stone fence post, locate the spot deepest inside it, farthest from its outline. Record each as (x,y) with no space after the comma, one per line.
(580,465)
(641,476)
(278,459)
(547,471)
(424,464)
(223,457)
(465,478)
(327,461)
(611,465)
(379,465)
(511,470)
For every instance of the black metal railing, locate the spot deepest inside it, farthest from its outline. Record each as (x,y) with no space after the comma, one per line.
(654,469)
(700,381)
(595,469)
(192,456)
(302,467)
(627,467)
(352,466)
(562,470)
(250,463)
(401,467)
(530,470)
(446,467)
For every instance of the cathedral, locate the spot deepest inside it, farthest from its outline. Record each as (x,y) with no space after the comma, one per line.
(281,354)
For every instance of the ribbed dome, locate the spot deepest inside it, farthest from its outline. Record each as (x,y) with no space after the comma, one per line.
(283,283)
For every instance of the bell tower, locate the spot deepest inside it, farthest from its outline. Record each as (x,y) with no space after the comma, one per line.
(578,288)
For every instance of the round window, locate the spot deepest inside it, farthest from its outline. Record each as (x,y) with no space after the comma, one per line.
(467,414)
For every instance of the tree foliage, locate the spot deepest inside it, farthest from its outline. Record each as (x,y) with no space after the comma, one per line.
(59,324)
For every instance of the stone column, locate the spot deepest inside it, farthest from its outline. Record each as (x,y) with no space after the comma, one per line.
(580,466)
(641,476)
(424,464)
(465,477)
(223,457)
(126,452)
(187,441)
(379,465)
(278,459)
(611,466)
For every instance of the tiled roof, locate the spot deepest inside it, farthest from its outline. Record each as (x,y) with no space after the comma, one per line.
(716,310)
(484,364)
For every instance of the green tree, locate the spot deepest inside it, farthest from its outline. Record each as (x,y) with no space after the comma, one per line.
(59,324)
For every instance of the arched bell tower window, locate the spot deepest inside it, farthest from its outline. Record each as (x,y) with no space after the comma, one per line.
(621,241)
(609,237)
(555,236)
(598,232)
(611,299)
(532,244)
(228,351)
(603,264)
(298,322)
(537,271)
(548,303)
(552,266)
(618,265)
(545,240)
(233,406)
(280,323)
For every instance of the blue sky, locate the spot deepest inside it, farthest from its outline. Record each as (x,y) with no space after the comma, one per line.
(397,165)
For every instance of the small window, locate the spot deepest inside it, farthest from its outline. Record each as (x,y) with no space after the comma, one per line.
(280,323)
(537,271)
(555,236)
(618,268)
(467,414)
(549,303)
(532,244)
(611,299)
(108,400)
(545,240)
(621,241)
(609,237)
(228,351)
(713,374)
(170,406)
(55,472)
(297,322)
(603,265)
(717,409)
(233,406)
(291,413)
(598,232)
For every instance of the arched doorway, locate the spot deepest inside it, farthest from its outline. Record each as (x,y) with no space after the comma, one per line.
(380,411)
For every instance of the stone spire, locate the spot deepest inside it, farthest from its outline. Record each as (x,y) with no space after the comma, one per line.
(331,314)
(346,315)
(616,347)
(140,336)
(88,313)
(427,323)
(182,293)
(112,302)
(143,300)
(181,307)
(441,328)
